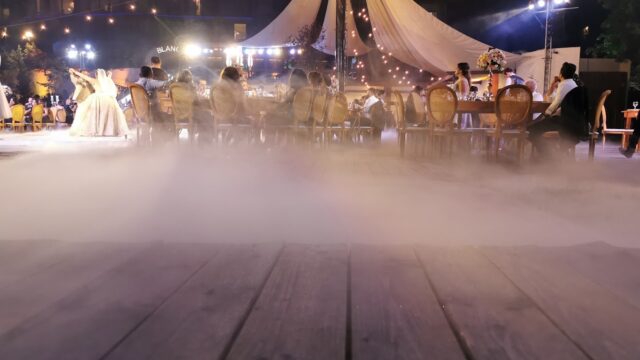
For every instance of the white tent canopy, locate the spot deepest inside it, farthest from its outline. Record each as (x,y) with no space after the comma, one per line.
(327,41)
(298,14)
(406,30)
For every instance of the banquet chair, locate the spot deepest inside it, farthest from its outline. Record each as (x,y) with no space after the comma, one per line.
(513,111)
(130,117)
(319,108)
(182,99)
(337,112)
(37,114)
(301,110)
(224,105)
(442,105)
(51,119)
(142,108)
(418,130)
(601,119)
(17,117)
(61,117)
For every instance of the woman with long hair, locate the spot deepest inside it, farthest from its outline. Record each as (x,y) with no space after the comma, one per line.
(463,80)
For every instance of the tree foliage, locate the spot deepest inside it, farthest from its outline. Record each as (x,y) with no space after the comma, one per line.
(620,36)
(18,65)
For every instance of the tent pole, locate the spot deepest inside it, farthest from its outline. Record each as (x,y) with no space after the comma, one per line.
(341,59)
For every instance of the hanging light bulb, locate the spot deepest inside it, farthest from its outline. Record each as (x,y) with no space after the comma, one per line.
(67,30)
(132,7)
(43,27)
(154,11)
(111,20)
(4,33)
(88,17)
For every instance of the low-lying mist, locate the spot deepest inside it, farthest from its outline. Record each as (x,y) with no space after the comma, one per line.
(246,194)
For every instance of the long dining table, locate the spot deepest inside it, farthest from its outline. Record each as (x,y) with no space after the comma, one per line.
(487,107)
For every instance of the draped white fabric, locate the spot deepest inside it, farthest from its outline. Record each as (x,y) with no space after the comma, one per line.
(416,37)
(295,16)
(327,41)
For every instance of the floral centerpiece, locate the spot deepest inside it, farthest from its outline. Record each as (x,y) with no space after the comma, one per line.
(492,60)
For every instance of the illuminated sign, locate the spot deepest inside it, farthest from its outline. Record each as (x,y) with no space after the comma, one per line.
(167,49)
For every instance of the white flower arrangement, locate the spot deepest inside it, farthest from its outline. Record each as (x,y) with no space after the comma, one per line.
(493,59)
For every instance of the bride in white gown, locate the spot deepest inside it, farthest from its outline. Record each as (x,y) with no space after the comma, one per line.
(99,114)
(5,109)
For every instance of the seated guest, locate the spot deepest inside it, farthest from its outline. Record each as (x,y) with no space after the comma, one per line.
(533,86)
(156,69)
(374,113)
(512,78)
(316,81)
(201,111)
(281,115)
(633,139)
(554,119)
(148,83)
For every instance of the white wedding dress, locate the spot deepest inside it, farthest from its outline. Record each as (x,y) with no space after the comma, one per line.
(99,114)
(5,109)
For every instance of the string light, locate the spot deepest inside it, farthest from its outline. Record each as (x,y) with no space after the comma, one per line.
(28,35)
(88,18)
(67,30)
(154,11)
(111,20)
(132,7)
(4,33)
(43,27)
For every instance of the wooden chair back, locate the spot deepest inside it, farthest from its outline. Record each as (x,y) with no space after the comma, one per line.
(141,103)
(337,110)
(513,106)
(51,116)
(442,104)
(302,104)
(17,114)
(319,106)
(418,107)
(400,109)
(223,103)
(130,116)
(37,114)
(61,116)
(182,99)
(601,112)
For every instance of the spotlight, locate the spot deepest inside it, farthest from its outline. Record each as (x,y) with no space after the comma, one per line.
(91,55)
(87,46)
(292,51)
(72,53)
(269,52)
(542,3)
(192,51)
(260,51)
(558,2)
(531,5)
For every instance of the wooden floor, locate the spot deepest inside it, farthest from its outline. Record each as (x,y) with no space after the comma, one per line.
(63,300)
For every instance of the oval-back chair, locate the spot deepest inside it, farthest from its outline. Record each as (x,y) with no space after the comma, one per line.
(17,117)
(37,114)
(182,99)
(513,113)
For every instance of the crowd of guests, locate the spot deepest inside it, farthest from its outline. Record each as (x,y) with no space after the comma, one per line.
(49,108)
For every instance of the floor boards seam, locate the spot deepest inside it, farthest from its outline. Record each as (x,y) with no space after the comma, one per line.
(539,307)
(236,332)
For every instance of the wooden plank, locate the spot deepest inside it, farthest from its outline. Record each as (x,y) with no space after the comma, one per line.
(89,322)
(302,311)
(72,265)
(494,318)
(394,312)
(603,324)
(198,322)
(614,268)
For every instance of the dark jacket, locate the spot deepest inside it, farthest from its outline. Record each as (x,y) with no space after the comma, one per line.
(575,114)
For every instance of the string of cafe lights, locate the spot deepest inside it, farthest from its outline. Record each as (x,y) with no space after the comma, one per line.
(398,73)
(88,15)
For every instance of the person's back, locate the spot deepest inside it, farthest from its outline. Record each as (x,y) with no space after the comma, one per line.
(157,73)
(575,113)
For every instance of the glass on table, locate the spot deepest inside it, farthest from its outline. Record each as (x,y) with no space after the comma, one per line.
(635,105)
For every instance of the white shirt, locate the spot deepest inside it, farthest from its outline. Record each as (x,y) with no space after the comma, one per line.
(564,87)
(371,100)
